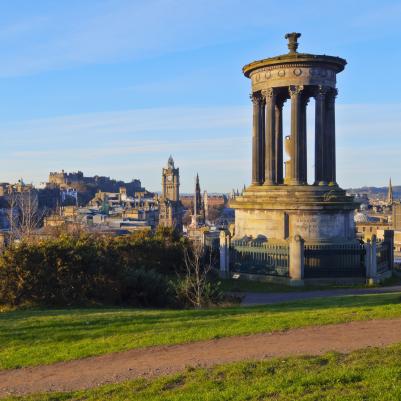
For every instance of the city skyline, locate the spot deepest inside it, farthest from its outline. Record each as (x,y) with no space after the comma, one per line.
(109,93)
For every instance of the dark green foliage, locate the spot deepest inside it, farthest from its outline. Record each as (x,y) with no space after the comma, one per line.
(211,293)
(146,288)
(73,270)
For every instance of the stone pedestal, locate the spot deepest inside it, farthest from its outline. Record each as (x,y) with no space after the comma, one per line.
(318,214)
(224,253)
(296,271)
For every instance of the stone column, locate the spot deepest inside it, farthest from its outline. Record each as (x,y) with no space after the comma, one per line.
(225,253)
(279,141)
(320,127)
(256,140)
(373,255)
(296,268)
(303,143)
(270,131)
(262,146)
(296,135)
(368,258)
(331,137)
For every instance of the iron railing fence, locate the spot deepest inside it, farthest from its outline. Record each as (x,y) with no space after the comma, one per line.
(252,257)
(334,260)
(383,255)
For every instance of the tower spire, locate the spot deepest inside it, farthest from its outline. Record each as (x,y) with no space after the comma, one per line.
(390,193)
(170,163)
(197,198)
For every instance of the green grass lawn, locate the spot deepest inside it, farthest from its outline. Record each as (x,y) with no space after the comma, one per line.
(34,337)
(371,374)
(242,285)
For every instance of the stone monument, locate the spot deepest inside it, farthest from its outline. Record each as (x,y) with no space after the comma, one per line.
(279,204)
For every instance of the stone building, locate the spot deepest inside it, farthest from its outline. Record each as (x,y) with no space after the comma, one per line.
(65,179)
(396,216)
(279,204)
(76,188)
(206,204)
(170,207)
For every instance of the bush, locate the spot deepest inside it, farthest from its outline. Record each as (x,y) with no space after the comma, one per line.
(195,289)
(211,294)
(74,270)
(146,288)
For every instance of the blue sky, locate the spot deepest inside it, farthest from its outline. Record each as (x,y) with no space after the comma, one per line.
(115,87)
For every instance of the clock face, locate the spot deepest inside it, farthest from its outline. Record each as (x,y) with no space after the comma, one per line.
(170,178)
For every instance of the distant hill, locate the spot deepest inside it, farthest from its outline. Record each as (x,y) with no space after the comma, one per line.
(377,191)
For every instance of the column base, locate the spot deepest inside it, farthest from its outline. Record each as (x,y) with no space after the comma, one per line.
(296,282)
(296,182)
(269,182)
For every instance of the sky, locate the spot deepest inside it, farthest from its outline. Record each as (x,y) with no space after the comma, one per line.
(114,87)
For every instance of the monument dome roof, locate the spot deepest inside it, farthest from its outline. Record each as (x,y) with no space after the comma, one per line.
(293,57)
(361,218)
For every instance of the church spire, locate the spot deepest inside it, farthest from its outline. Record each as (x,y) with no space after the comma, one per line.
(390,193)
(198,197)
(170,163)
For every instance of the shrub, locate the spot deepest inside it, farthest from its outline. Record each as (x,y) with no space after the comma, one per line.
(146,288)
(195,289)
(211,294)
(73,270)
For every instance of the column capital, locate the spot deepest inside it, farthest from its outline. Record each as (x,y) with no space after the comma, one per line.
(321,92)
(295,90)
(268,94)
(331,97)
(255,97)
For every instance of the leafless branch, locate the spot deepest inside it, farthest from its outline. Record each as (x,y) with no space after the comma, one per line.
(197,270)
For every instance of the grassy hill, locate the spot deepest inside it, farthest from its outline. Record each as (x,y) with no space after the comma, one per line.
(36,337)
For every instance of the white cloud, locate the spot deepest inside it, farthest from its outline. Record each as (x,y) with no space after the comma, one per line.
(114,30)
(132,122)
(214,141)
(65,35)
(128,143)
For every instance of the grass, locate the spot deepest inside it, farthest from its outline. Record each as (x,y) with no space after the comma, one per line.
(35,337)
(242,285)
(239,285)
(370,374)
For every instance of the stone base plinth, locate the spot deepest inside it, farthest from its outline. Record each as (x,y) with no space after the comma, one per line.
(315,213)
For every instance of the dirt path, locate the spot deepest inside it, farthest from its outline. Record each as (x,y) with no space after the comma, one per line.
(156,361)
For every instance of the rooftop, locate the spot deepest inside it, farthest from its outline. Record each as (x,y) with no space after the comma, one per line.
(336,63)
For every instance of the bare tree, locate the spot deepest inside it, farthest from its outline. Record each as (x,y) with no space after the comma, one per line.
(24,215)
(12,217)
(195,286)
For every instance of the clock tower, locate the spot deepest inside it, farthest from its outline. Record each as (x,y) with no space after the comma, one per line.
(171,181)
(170,209)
